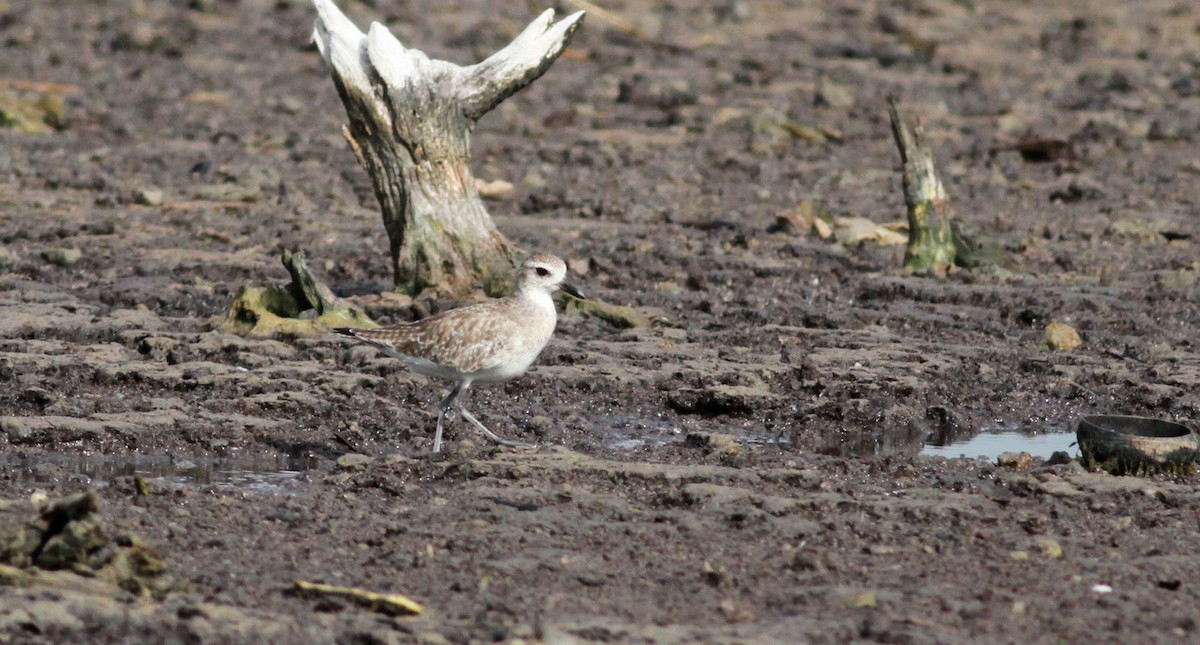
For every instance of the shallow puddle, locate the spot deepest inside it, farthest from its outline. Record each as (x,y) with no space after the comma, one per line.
(263,474)
(992,444)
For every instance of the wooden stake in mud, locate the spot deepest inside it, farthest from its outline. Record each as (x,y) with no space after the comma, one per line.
(931,247)
(410,123)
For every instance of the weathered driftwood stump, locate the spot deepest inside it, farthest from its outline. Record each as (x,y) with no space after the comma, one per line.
(410,123)
(931,247)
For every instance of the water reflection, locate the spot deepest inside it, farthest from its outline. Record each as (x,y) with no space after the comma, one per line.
(261,473)
(992,444)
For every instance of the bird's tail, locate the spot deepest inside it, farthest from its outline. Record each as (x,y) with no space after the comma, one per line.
(381,338)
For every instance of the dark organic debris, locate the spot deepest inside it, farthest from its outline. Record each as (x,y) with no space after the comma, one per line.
(67,534)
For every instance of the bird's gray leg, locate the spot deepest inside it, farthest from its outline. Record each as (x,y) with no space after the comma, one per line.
(491,436)
(444,407)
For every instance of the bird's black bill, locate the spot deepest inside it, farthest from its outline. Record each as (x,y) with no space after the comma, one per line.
(570,289)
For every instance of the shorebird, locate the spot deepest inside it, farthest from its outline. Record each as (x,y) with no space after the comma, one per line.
(495,340)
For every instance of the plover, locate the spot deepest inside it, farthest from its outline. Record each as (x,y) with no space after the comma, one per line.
(491,341)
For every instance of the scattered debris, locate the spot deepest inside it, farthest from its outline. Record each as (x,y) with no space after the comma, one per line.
(67,534)
(619,316)
(856,230)
(809,215)
(813,134)
(40,115)
(389,604)
(813,215)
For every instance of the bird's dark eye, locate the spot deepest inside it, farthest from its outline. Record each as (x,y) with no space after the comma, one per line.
(542,271)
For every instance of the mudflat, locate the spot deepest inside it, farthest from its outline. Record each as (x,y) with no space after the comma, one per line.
(742,468)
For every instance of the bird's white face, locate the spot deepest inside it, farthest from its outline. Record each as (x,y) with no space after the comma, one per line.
(546,272)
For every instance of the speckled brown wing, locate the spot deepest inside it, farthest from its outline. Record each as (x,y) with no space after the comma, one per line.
(468,339)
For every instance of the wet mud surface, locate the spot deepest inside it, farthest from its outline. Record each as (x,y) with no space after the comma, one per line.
(744,468)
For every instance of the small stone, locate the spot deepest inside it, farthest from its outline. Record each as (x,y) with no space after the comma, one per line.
(864,599)
(21,115)
(54,110)
(1062,337)
(1049,547)
(63,257)
(287,104)
(832,94)
(801,218)
(541,425)
(149,196)
(1058,458)
(1019,555)
(8,257)
(1015,460)
(353,461)
(720,446)
(734,11)
(493,188)
(138,34)
(1077,189)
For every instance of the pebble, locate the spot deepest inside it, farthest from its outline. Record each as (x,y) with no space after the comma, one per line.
(63,257)
(1015,460)
(149,196)
(716,445)
(1049,547)
(8,256)
(1062,337)
(352,461)
(832,94)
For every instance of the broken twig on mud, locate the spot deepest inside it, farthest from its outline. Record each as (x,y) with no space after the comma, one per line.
(391,604)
